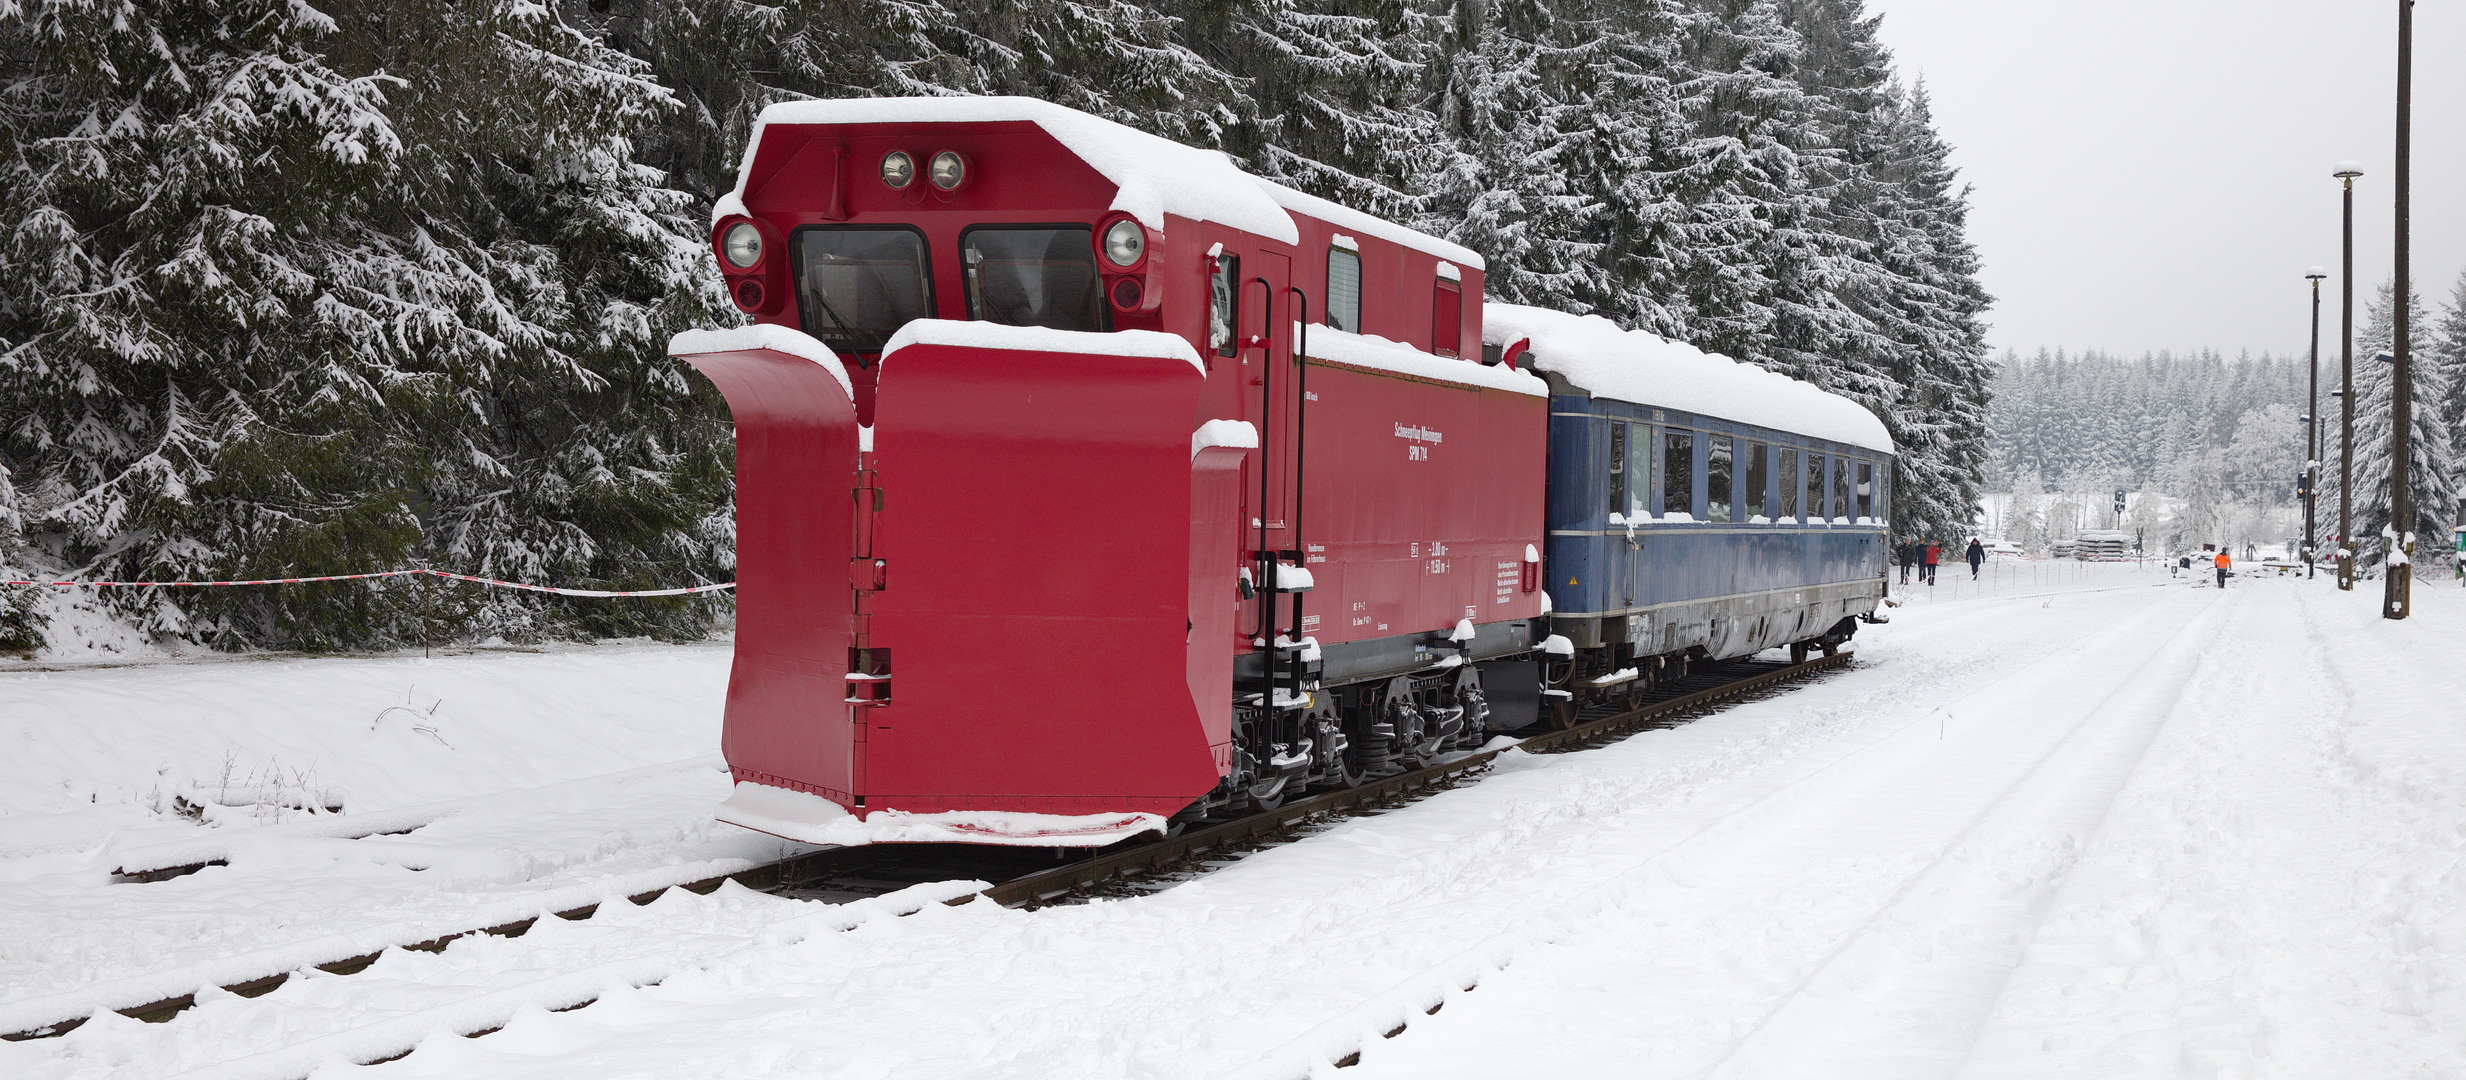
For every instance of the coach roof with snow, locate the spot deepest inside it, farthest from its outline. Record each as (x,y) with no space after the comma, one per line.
(1592,354)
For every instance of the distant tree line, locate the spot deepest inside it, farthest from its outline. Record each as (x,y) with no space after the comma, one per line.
(306,287)
(2225,438)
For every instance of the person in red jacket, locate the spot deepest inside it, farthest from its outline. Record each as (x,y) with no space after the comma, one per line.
(1934,555)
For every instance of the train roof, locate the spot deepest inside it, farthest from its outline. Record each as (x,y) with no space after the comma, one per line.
(1593,354)
(1153,176)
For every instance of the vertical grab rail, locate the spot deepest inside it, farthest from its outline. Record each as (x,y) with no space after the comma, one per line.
(1264,557)
(1301,429)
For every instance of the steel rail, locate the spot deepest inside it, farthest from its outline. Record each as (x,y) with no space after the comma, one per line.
(1034,888)
(1044,886)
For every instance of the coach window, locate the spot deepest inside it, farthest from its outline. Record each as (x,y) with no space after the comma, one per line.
(1618,468)
(1866,492)
(1344,289)
(857,285)
(1224,305)
(1717,479)
(1639,472)
(1840,489)
(1447,319)
(1789,484)
(1815,488)
(1033,275)
(1678,475)
(1753,503)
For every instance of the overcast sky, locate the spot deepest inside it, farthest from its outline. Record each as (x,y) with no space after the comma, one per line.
(2154,174)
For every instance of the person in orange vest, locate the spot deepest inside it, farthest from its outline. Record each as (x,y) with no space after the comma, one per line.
(2223,563)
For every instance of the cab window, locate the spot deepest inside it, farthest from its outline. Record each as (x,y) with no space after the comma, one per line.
(1224,316)
(1344,290)
(1033,275)
(857,285)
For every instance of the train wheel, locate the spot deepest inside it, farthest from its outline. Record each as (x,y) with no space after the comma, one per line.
(1560,713)
(1798,652)
(1267,794)
(1345,769)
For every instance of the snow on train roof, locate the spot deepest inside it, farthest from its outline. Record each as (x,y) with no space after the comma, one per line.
(1154,176)
(1648,369)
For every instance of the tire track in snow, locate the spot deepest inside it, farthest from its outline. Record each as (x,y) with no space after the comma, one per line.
(2035,829)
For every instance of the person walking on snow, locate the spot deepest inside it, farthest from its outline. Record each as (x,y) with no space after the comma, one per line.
(1934,555)
(2223,562)
(1908,554)
(1977,554)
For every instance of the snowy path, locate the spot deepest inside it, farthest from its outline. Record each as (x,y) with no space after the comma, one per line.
(2089,825)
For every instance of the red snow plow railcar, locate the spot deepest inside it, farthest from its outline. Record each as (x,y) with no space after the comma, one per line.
(1085,481)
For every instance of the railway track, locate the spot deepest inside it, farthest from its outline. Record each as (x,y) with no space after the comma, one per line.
(1022,877)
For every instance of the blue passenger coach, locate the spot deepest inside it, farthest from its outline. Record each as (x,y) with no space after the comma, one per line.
(1698,509)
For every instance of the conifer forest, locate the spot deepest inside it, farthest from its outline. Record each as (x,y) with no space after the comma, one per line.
(300,287)
(2222,440)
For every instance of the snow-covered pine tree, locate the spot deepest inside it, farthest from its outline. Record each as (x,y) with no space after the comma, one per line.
(2447,355)
(1514,98)
(726,59)
(2432,474)
(298,290)
(1930,309)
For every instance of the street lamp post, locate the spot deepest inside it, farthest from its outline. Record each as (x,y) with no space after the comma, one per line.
(2398,573)
(2311,433)
(2347,172)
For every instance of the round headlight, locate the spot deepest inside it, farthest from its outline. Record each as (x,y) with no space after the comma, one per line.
(1124,243)
(948,170)
(742,245)
(898,169)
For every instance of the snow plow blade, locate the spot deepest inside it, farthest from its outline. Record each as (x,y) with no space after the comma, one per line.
(1033,608)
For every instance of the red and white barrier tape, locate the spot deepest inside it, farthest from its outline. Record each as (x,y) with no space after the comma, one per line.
(386,574)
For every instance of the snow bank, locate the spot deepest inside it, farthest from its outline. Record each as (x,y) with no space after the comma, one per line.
(813,819)
(1597,356)
(1372,351)
(770,336)
(985,335)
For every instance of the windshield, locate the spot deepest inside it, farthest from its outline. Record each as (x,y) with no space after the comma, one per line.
(1033,275)
(855,287)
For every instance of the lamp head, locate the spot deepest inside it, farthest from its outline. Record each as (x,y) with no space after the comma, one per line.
(2315,274)
(2348,170)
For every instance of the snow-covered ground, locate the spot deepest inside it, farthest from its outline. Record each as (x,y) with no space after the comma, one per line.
(2070,821)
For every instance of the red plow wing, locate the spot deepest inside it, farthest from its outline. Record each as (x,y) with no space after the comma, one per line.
(995,616)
